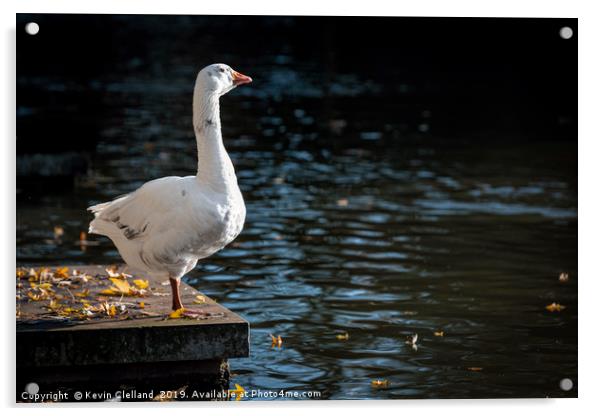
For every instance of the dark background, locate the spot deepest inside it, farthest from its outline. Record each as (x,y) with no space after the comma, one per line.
(482,79)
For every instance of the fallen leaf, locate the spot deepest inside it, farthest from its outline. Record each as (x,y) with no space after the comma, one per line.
(475,368)
(62,273)
(343,337)
(44,286)
(80,277)
(276,341)
(238,392)
(54,305)
(141,284)
(177,314)
(412,339)
(438,333)
(379,384)
(83,294)
(34,296)
(122,286)
(199,299)
(112,271)
(555,307)
(58,232)
(141,305)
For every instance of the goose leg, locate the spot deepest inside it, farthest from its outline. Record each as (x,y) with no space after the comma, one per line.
(176,302)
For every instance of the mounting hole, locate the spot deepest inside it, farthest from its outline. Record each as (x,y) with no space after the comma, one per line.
(566,384)
(566,32)
(32,388)
(32,28)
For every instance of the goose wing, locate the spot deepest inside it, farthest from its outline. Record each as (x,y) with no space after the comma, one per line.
(150,208)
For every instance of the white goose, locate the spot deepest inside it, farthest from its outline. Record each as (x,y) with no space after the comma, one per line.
(165,226)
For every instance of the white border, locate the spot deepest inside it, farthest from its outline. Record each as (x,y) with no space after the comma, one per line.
(590,189)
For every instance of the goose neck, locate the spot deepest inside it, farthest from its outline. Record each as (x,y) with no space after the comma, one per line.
(214,165)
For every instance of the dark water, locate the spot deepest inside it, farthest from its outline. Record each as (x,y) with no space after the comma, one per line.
(369,224)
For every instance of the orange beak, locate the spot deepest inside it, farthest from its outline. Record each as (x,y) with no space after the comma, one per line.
(239,79)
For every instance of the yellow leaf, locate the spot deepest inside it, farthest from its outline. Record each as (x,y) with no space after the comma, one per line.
(83,293)
(555,307)
(379,384)
(238,392)
(276,341)
(54,305)
(109,292)
(141,305)
(62,272)
(343,337)
(438,333)
(177,314)
(199,299)
(44,286)
(122,286)
(141,284)
(33,296)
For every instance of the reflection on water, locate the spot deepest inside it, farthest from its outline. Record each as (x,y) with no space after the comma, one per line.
(369,226)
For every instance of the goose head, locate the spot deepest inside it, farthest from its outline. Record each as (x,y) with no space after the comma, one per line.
(220,79)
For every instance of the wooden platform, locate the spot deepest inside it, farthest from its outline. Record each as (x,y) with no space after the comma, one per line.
(71,323)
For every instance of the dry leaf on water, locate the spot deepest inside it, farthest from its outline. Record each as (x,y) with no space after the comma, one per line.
(276,341)
(343,337)
(379,384)
(238,392)
(438,333)
(58,232)
(555,307)
(475,368)
(412,339)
